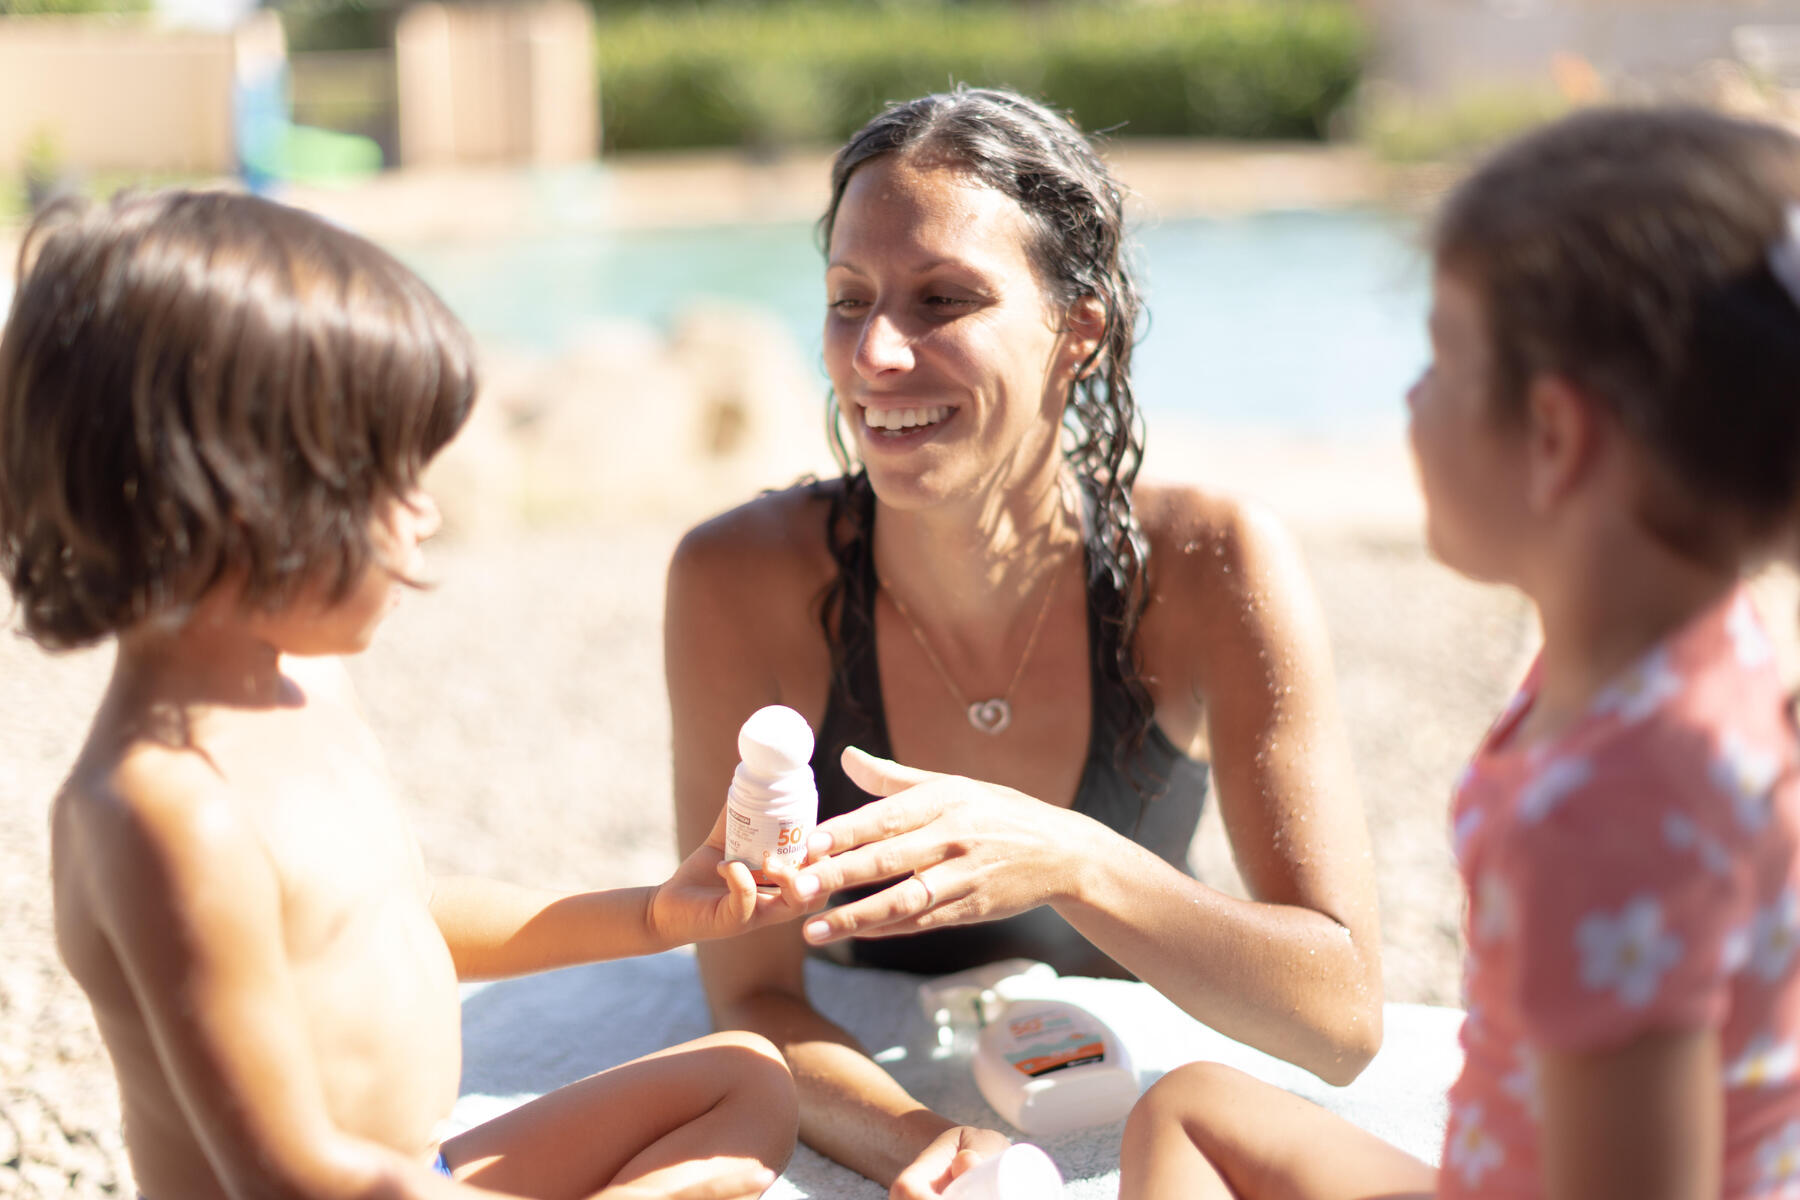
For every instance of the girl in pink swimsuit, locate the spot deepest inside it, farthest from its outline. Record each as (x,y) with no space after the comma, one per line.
(1610,423)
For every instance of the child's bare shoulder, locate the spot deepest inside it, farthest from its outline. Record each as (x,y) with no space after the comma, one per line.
(147,816)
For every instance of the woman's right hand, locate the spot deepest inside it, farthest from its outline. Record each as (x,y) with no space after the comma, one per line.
(950,1154)
(970,851)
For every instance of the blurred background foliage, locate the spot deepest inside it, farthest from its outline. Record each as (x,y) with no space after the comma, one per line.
(722,74)
(34,8)
(762,74)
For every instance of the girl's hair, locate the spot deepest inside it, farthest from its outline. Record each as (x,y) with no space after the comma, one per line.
(1631,252)
(1075,209)
(196,383)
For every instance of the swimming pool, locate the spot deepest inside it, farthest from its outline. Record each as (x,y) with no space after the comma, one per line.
(1309,323)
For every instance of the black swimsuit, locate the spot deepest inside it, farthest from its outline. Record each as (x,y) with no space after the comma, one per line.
(1164,823)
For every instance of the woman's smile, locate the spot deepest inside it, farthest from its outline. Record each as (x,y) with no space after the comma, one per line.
(896,427)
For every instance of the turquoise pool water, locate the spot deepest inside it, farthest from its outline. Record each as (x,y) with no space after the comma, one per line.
(1305,322)
(1309,323)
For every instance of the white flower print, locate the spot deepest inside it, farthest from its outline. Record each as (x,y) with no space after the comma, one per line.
(1748,638)
(1764,1062)
(1746,775)
(1465,828)
(1734,949)
(1778,1162)
(1680,832)
(1628,953)
(1642,691)
(1774,933)
(1491,907)
(1522,1084)
(1552,786)
(1473,1151)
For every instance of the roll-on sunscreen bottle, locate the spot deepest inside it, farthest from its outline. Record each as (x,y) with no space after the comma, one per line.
(1020,1172)
(772,804)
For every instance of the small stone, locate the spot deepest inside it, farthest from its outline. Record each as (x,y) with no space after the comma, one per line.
(9,1143)
(43,1181)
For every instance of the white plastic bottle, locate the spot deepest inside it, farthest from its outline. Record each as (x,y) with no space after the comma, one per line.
(1020,1172)
(772,804)
(1049,1067)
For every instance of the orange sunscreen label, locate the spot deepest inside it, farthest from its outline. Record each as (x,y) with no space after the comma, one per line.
(1046,1042)
(749,836)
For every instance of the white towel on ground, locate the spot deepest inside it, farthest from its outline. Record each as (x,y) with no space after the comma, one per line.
(523,1037)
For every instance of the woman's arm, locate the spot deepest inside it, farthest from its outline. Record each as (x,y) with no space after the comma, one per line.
(1644,1122)
(740,633)
(1295,971)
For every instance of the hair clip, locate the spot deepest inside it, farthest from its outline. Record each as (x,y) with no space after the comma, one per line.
(1784,256)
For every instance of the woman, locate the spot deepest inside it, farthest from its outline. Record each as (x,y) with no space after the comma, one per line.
(988,593)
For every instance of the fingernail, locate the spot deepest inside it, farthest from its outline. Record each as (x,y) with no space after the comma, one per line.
(816,931)
(807,886)
(819,843)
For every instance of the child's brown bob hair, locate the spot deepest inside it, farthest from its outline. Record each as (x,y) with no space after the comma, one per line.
(1630,252)
(196,384)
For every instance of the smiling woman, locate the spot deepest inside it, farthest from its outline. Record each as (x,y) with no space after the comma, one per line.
(989,593)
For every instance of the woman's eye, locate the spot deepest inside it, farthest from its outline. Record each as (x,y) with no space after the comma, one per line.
(846,304)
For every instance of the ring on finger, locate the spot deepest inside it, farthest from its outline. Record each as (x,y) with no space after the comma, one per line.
(930,899)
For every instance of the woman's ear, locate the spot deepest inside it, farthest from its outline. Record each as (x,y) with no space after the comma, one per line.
(1084,332)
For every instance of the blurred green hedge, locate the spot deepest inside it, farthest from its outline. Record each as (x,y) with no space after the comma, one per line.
(685,75)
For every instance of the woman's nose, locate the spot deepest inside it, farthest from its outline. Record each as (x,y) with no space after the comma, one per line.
(883,347)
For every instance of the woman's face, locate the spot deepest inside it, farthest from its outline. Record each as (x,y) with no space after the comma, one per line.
(949,362)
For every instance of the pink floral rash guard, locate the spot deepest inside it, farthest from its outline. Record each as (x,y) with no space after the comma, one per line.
(1636,874)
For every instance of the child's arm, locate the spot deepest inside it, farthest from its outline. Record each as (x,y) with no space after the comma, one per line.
(190,904)
(1639,1123)
(499,929)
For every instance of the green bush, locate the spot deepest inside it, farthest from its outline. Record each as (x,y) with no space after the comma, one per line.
(687,76)
(37,8)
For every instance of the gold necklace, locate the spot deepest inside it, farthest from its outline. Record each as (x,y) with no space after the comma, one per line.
(987,716)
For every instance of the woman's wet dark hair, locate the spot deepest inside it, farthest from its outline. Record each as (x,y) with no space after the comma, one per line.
(1629,251)
(1076,210)
(201,383)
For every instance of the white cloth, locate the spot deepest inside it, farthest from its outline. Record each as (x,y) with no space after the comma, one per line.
(526,1036)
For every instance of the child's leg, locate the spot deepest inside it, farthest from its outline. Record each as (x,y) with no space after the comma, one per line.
(657,1119)
(1208,1132)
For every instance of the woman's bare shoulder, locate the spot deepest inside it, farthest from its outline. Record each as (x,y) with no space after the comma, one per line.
(777,539)
(1205,541)
(746,585)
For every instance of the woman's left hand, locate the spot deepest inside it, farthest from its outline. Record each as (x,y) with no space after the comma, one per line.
(970,851)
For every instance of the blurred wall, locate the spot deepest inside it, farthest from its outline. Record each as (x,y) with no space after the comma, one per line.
(121,94)
(1436,48)
(496,83)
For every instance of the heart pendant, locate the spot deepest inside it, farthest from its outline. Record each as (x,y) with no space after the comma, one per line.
(990,716)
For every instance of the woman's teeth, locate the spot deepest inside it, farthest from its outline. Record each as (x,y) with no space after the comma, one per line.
(904,418)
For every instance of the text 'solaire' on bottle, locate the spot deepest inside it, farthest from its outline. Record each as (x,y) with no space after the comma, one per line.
(772,804)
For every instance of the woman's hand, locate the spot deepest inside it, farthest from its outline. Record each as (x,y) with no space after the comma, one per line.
(708,897)
(971,852)
(950,1154)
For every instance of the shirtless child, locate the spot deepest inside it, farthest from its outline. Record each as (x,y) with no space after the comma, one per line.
(214,413)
